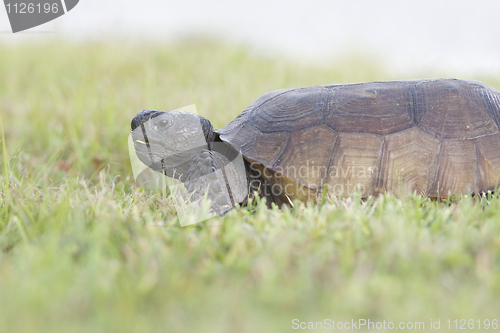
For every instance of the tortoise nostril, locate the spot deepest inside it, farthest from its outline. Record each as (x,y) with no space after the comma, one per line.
(136,122)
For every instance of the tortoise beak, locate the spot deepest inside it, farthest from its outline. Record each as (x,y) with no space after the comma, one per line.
(142,117)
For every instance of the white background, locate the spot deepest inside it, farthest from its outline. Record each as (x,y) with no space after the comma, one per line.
(459,37)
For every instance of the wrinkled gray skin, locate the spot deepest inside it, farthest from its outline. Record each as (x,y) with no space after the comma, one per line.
(180,145)
(167,139)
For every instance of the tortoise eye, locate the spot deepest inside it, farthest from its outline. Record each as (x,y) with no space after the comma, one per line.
(163,124)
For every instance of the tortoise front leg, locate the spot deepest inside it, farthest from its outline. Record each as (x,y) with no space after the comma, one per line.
(207,175)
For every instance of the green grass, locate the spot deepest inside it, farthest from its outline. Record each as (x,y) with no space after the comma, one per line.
(80,246)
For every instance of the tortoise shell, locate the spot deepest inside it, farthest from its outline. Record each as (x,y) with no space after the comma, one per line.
(434,137)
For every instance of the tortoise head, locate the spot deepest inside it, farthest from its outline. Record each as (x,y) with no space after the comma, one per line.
(181,145)
(165,139)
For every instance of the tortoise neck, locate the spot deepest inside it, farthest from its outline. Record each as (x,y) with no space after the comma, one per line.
(208,131)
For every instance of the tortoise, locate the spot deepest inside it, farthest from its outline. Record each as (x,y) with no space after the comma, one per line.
(434,137)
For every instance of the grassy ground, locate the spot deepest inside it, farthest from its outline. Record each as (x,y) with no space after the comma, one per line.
(80,251)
